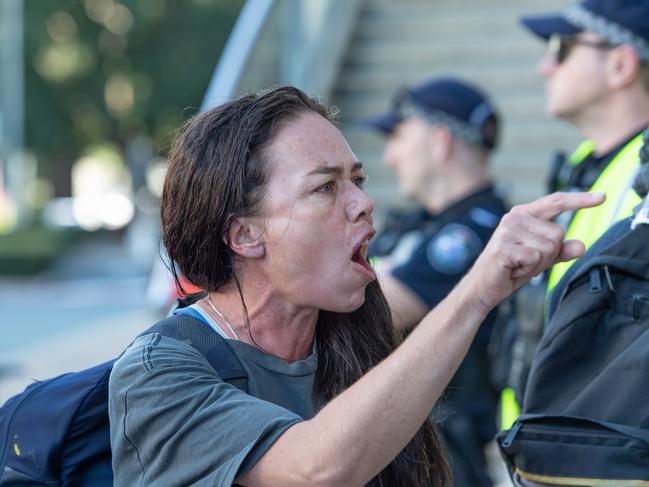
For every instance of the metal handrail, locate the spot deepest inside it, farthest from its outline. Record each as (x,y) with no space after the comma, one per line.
(306,51)
(236,53)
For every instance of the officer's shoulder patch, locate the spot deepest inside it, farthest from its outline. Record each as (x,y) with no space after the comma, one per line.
(484,217)
(453,248)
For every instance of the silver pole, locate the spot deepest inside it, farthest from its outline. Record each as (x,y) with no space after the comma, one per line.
(12,102)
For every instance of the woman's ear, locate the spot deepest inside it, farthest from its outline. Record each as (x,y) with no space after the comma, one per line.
(245,237)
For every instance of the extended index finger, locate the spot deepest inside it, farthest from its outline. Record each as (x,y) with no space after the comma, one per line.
(553,204)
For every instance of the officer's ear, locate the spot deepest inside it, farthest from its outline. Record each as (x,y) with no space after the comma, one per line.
(441,143)
(245,237)
(623,66)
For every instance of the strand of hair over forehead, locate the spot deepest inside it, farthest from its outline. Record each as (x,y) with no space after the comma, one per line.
(240,120)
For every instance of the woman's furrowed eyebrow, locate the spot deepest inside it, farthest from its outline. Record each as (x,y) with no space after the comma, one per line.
(334,169)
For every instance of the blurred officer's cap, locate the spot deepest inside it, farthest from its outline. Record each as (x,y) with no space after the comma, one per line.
(466,111)
(616,21)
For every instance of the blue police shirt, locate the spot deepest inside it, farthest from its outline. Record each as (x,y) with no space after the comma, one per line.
(430,253)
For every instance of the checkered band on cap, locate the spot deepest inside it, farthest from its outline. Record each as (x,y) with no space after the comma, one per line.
(610,31)
(460,129)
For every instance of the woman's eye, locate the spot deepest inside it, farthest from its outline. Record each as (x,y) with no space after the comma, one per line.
(327,187)
(360,181)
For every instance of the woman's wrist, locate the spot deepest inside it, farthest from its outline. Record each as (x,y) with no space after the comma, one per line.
(469,301)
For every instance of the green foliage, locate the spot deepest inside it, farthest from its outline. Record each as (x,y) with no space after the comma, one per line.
(107,70)
(31,250)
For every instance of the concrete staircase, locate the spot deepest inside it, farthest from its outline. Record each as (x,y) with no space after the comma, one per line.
(404,42)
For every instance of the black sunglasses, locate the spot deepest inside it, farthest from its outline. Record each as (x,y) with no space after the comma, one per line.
(560,46)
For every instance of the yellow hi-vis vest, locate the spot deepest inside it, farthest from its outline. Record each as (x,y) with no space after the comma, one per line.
(616,181)
(588,225)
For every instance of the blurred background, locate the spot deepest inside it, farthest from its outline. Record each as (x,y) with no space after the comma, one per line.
(91,92)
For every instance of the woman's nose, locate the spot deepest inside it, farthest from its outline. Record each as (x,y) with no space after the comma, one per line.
(360,205)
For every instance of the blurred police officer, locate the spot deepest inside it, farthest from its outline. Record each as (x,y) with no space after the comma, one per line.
(597,79)
(440,136)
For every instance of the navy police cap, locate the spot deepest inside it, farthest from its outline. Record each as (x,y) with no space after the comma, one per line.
(464,109)
(616,21)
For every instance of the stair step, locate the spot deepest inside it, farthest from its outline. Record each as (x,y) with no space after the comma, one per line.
(460,9)
(518,112)
(504,84)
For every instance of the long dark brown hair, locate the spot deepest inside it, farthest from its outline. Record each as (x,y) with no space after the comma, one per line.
(218,170)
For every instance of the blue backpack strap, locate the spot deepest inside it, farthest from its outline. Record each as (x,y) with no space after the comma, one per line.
(211,345)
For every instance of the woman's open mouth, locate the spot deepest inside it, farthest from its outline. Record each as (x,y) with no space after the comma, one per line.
(360,257)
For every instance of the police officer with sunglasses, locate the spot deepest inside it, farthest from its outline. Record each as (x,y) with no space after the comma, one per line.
(597,79)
